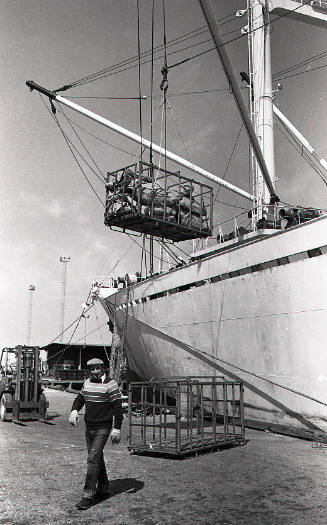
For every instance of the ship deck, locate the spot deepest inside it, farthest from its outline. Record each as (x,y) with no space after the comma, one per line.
(271,479)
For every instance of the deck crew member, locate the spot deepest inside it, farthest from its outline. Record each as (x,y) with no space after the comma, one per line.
(102,399)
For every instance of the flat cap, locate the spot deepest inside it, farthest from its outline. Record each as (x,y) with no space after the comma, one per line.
(94,361)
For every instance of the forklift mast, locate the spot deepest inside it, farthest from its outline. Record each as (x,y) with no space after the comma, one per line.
(21,394)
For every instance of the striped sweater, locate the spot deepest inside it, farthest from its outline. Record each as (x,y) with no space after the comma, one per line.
(102,401)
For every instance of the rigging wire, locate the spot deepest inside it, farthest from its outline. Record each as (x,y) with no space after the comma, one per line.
(90,333)
(119,259)
(232,205)
(169,251)
(181,38)
(180,134)
(229,161)
(106,98)
(176,246)
(241,36)
(303,63)
(303,72)
(280,75)
(71,337)
(211,356)
(85,148)
(71,147)
(102,140)
(67,328)
(191,34)
(300,149)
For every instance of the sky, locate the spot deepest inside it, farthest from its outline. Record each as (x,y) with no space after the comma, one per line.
(48,208)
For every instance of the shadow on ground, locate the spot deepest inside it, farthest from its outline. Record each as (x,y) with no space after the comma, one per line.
(120,486)
(131,485)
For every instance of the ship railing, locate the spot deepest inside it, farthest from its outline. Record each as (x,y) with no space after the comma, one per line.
(275,217)
(115,281)
(106,281)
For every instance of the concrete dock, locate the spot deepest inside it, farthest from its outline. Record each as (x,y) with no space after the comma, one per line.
(272,479)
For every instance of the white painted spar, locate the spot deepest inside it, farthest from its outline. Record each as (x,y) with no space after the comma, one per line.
(147,144)
(296,133)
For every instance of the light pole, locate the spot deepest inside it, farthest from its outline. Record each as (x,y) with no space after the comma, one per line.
(64,260)
(31,289)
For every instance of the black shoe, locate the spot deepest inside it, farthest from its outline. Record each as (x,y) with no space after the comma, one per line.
(85,503)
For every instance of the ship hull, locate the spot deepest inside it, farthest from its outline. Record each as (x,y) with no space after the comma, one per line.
(255,312)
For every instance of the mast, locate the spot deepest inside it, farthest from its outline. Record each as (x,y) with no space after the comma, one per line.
(31,289)
(64,260)
(261,102)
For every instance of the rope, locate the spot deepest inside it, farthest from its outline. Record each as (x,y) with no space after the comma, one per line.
(259,377)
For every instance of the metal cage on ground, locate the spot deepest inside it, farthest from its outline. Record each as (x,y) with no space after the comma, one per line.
(180,416)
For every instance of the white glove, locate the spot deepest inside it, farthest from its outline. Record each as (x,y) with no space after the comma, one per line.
(73,418)
(115,436)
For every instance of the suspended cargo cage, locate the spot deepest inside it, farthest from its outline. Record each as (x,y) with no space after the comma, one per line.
(152,200)
(176,417)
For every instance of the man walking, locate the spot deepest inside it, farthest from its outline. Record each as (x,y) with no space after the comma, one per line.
(102,399)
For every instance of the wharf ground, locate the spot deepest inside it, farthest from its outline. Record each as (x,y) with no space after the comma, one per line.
(272,479)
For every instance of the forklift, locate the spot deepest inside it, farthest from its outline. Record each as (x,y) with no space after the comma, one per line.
(21,395)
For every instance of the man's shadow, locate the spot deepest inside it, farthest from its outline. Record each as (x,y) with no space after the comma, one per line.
(130,485)
(118,486)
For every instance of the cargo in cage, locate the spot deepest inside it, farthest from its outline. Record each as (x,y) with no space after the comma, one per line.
(151,200)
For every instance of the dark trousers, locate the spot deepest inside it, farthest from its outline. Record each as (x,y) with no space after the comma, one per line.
(96,476)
